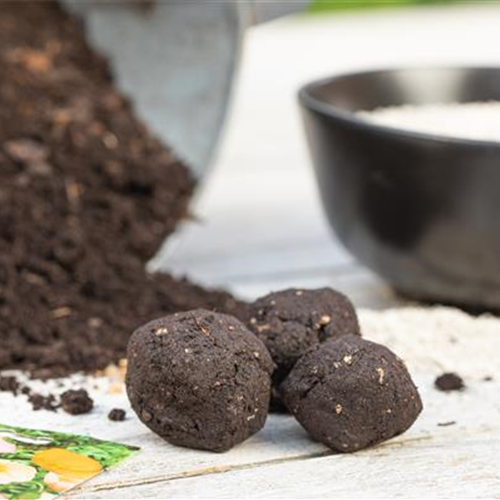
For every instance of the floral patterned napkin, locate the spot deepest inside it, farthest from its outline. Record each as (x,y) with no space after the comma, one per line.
(36,464)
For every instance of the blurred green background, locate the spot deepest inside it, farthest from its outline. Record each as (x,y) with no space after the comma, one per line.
(332,5)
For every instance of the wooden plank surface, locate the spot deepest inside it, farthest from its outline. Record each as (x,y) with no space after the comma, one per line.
(466,474)
(459,460)
(471,471)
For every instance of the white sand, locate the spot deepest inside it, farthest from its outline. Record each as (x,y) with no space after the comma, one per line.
(434,340)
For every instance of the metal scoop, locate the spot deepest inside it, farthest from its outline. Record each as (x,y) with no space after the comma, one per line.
(177,60)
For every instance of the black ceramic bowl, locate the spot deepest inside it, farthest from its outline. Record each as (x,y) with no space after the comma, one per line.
(421,210)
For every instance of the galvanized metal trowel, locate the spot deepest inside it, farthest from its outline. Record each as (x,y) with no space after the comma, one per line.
(176,59)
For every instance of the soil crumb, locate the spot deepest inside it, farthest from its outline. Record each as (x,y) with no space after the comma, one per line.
(447,424)
(76,402)
(449,382)
(117,415)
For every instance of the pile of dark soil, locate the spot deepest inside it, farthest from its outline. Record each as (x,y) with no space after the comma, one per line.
(87,196)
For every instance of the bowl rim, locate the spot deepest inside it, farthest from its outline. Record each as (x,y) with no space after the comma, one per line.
(309,101)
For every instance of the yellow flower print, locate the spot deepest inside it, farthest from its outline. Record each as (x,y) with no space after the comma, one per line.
(69,465)
(13,472)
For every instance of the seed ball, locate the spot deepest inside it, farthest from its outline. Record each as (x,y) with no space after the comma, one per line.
(349,393)
(292,321)
(199,379)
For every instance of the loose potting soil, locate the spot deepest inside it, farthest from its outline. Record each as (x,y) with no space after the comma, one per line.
(87,196)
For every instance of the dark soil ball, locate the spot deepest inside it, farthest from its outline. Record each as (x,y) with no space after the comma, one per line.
(199,379)
(292,321)
(349,393)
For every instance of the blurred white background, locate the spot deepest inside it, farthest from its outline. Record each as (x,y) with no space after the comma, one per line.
(261,224)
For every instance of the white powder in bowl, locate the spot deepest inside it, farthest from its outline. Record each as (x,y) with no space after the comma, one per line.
(472,120)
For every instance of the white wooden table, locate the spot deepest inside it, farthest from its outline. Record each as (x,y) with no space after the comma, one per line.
(262,228)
